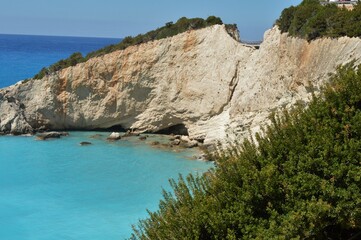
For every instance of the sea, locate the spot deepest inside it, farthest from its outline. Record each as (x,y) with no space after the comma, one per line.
(60,190)
(22,56)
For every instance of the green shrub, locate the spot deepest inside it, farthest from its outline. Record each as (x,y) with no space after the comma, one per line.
(301,181)
(212,20)
(170,29)
(311,20)
(74,59)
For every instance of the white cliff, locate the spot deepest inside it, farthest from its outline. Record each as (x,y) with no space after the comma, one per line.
(205,80)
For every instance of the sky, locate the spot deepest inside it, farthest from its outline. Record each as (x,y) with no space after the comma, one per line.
(119,18)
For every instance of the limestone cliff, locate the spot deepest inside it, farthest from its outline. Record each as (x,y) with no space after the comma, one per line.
(205,80)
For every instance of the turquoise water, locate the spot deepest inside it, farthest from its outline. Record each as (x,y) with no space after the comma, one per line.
(58,189)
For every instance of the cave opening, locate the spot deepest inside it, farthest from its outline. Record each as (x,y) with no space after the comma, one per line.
(178,129)
(115,128)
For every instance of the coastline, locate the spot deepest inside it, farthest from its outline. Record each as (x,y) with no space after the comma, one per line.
(165,142)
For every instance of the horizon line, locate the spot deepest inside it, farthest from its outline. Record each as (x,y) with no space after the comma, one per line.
(45,35)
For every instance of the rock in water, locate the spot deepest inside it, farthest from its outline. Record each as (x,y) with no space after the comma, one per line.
(96,136)
(131,134)
(176,142)
(155,143)
(114,136)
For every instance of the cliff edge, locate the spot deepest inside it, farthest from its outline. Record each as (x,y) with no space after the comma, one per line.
(202,81)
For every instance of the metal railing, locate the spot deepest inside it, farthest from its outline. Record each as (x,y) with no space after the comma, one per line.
(340,2)
(251,43)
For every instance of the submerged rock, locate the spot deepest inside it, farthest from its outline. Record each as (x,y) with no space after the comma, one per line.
(47,135)
(96,136)
(85,143)
(155,143)
(142,138)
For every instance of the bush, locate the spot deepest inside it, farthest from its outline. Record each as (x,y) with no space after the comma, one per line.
(311,20)
(301,181)
(212,20)
(74,59)
(170,29)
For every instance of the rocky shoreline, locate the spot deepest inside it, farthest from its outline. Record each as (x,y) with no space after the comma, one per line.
(176,143)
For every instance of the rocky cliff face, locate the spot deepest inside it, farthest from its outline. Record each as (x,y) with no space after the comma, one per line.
(201,81)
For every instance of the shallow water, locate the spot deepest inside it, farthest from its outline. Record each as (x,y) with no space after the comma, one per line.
(57,189)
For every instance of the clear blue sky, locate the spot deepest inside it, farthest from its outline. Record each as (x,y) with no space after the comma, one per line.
(118,18)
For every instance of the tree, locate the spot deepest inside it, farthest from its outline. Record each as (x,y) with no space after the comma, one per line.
(284,22)
(310,20)
(169,24)
(212,20)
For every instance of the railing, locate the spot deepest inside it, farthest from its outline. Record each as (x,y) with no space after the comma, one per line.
(340,2)
(251,43)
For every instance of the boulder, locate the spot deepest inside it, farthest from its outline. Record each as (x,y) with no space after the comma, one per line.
(114,136)
(192,144)
(184,138)
(176,142)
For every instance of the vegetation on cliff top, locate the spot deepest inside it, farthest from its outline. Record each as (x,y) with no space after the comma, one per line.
(170,29)
(311,20)
(302,180)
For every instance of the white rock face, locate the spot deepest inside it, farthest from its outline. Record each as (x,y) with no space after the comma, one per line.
(204,79)
(114,136)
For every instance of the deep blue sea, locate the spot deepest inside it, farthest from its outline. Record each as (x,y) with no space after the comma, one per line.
(59,190)
(22,56)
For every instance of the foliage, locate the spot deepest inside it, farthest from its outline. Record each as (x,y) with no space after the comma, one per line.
(311,20)
(170,29)
(74,59)
(302,180)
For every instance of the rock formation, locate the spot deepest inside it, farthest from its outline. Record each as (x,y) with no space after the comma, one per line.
(202,82)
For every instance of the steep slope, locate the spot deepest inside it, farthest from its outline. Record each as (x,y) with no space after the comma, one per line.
(203,79)
(284,71)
